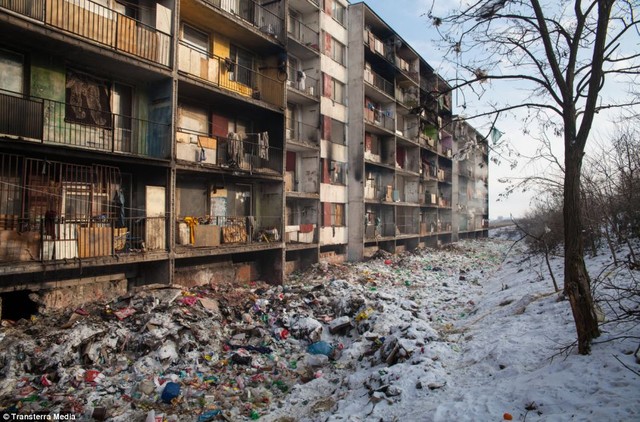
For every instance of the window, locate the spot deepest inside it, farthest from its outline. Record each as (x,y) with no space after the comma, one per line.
(11,72)
(242,72)
(337,51)
(128,9)
(338,132)
(338,171)
(333,215)
(338,12)
(196,39)
(337,89)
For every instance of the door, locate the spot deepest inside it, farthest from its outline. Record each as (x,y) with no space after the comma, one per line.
(155,221)
(122,109)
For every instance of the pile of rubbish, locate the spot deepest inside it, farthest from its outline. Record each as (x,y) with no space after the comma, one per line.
(228,352)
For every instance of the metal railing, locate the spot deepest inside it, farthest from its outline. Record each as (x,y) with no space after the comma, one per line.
(245,154)
(304,34)
(242,229)
(298,131)
(380,119)
(98,23)
(301,81)
(51,239)
(377,81)
(256,15)
(226,74)
(61,123)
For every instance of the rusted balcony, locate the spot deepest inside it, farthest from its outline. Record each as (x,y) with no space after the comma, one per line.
(51,239)
(54,122)
(221,231)
(98,23)
(228,75)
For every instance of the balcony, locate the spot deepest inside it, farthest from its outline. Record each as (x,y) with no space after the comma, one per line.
(58,239)
(250,154)
(221,231)
(53,122)
(378,82)
(252,13)
(306,37)
(225,74)
(98,23)
(379,119)
(302,133)
(301,234)
(303,88)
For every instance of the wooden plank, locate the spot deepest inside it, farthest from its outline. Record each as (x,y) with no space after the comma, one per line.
(95,241)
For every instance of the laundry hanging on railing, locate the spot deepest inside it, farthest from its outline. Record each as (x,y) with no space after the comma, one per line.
(263,145)
(301,80)
(236,149)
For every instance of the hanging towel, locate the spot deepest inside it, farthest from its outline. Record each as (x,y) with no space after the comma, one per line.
(301,80)
(191,222)
(236,149)
(263,145)
(118,200)
(306,228)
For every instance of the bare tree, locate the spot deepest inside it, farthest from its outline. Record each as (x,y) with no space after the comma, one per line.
(568,54)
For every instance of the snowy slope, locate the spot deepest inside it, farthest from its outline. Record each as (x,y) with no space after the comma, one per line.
(482,336)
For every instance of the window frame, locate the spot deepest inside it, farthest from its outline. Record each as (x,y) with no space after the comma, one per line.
(342,59)
(192,44)
(334,84)
(339,13)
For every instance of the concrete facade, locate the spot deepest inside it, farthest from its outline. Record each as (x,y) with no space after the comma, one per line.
(199,142)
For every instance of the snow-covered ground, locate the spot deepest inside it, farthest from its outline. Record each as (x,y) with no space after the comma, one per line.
(471,332)
(485,338)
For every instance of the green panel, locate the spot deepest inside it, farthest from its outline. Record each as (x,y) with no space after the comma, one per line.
(48,78)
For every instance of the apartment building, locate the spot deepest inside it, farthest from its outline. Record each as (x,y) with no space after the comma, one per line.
(316,121)
(470,196)
(401,149)
(216,141)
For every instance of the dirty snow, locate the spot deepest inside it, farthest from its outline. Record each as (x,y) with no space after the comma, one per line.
(465,333)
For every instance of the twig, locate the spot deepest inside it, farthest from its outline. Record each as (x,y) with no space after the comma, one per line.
(625,365)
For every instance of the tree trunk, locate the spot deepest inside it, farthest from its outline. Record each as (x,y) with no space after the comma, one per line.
(577,285)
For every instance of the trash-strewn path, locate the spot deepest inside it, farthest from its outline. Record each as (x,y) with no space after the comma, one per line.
(454,334)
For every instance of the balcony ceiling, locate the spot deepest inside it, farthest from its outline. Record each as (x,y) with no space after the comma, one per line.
(208,18)
(304,6)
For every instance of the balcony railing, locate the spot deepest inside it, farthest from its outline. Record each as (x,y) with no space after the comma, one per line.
(55,122)
(254,14)
(304,34)
(99,24)
(228,75)
(301,81)
(298,131)
(379,118)
(231,230)
(249,154)
(50,239)
(301,233)
(379,82)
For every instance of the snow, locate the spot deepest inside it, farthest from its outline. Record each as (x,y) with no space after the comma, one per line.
(469,332)
(486,336)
